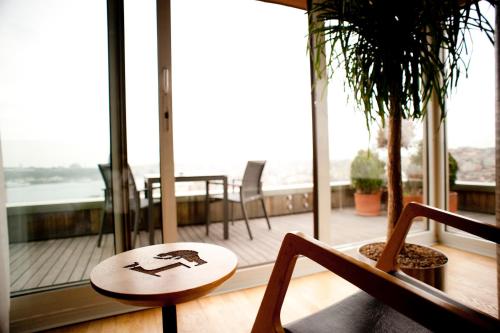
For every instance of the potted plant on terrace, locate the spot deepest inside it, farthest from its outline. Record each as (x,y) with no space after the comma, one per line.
(392,54)
(367,171)
(452,177)
(412,187)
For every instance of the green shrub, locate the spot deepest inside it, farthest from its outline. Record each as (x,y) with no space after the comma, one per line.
(367,172)
(413,184)
(453,169)
(412,187)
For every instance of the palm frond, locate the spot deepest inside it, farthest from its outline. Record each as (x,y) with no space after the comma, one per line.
(404,49)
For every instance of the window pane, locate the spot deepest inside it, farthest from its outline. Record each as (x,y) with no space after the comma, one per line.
(54,132)
(471,134)
(241,92)
(143,152)
(359,190)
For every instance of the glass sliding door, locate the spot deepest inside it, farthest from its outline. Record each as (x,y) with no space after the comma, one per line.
(54,125)
(241,92)
(358,158)
(142,118)
(471,135)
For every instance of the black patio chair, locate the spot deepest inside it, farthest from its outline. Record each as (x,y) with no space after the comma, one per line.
(250,189)
(136,204)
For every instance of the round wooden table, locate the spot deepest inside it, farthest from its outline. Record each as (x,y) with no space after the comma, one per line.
(164,275)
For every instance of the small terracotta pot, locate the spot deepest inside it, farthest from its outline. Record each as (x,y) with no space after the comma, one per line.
(407,198)
(367,204)
(453,202)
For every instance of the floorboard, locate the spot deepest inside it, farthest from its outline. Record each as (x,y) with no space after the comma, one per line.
(60,264)
(47,267)
(67,270)
(83,260)
(31,264)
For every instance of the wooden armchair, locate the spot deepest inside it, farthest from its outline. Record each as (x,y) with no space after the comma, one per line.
(389,301)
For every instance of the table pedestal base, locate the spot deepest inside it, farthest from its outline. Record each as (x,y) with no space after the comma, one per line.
(169,318)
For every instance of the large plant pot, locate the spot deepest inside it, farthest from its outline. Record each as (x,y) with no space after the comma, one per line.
(428,271)
(367,204)
(453,202)
(407,198)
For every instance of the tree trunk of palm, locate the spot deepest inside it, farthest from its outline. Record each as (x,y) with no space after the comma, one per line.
(394,182)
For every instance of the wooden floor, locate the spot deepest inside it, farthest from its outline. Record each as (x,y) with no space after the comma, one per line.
(46,264)
(49,264)
(470,279)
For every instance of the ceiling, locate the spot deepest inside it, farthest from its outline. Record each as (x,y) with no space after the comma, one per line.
(301,4)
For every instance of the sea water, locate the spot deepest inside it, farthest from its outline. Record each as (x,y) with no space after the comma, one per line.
(55,191)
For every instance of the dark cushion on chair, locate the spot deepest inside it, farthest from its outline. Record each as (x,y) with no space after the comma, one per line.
(357,313)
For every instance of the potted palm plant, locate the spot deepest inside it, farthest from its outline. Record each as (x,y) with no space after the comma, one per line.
(367,172)
(392,54)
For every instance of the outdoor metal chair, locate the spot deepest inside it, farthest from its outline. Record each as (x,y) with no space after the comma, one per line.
(389,301)
(248,190)
(136,204)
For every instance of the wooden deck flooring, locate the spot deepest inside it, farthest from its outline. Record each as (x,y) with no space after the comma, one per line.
(48,264)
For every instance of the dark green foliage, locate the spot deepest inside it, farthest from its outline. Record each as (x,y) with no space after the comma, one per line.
(453,169)
(412,186)
(366,185)
(416,159)
(367,172)
(394,49)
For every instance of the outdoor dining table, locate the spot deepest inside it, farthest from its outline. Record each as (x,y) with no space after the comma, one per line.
(164,275)
(151,179)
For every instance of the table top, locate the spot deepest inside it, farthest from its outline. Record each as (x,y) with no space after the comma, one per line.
(164,274)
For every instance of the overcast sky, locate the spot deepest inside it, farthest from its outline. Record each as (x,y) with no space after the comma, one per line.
(240,85)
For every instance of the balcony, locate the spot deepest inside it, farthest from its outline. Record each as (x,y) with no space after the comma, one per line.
(54,244)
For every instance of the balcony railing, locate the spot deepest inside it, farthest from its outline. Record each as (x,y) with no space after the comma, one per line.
(49,220)
(64,234)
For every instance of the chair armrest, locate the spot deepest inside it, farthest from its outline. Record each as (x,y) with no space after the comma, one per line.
(433,312)
(388,258)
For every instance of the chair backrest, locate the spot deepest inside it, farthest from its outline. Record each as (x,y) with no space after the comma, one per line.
(251,184)
(105,170)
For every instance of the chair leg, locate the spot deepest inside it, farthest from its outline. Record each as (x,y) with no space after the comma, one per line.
(207,208)
(265,213)
(137,219)
(101,227)
(136,227)
(232,213)
(245,215)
